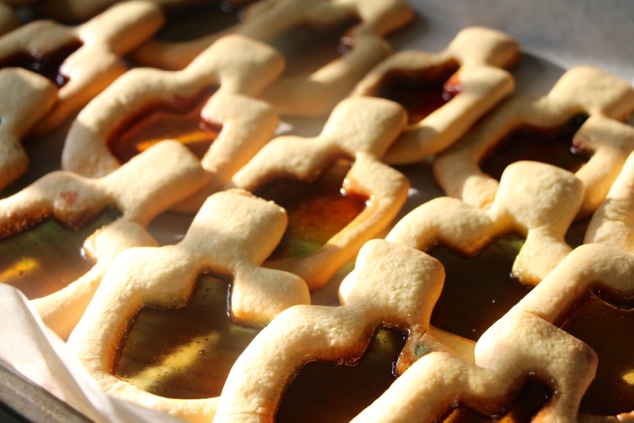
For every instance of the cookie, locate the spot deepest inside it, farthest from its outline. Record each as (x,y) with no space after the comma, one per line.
(215,90)
(271,19)
(536,200)
(80,60)
(27,98)
(446,92)
(358,131)
(581,90)
(140,190)
(392,285)
(230,236)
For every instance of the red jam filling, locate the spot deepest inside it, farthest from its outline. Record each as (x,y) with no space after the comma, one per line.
(187,352)
(47,65)
(47,257)
(324,392)
(609,330)
(316,211)
(180,120)
(531,399)
(553,146)
(421,93)
(478,289)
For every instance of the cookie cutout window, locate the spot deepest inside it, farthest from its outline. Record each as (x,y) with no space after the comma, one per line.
(181,120)
(316,211)
(445,93)
(581,90)
(46,64)
(372,188)
(478,288)
(339,391)
(553,146)
(46,257)
(186,352)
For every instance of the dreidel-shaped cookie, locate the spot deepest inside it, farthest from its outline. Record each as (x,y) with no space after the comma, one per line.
(45,224)
(392,286)
(444,93)
(26,98)
(230,237)
(492,257)
(528,353)
(207,106)
(309,87)
(82,60)
(358,195)
(550,129)
(589,295)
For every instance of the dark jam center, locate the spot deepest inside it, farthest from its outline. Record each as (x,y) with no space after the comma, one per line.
(421,93)
(47,65)
(552,146)
(609,330)
(478,289)
(336,393)
(316,211)
(187,352)
(47,257)
(307,49)
(181,121)
(531,399)
(199,20)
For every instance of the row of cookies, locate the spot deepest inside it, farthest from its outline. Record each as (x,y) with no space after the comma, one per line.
(383,123)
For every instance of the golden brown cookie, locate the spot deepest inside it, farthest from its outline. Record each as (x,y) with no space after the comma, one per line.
(27,98)
(392,285)
(214,90)
(270,19)
(140,190)
(81,60)
(230,236)
(446,92)
(539,207)
(359,131)
(581,90)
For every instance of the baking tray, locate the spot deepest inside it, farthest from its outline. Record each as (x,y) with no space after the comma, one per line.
(554,35)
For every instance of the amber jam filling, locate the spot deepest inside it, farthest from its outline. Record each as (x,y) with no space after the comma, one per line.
(532,397)
(478,289)
(307,49)
(422,92)
(186,352)
(577,232)
(336,393)
(46,257)
(199,20)
(47,65)
(553,146)
(316,211)
(180,120)
(609,330)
